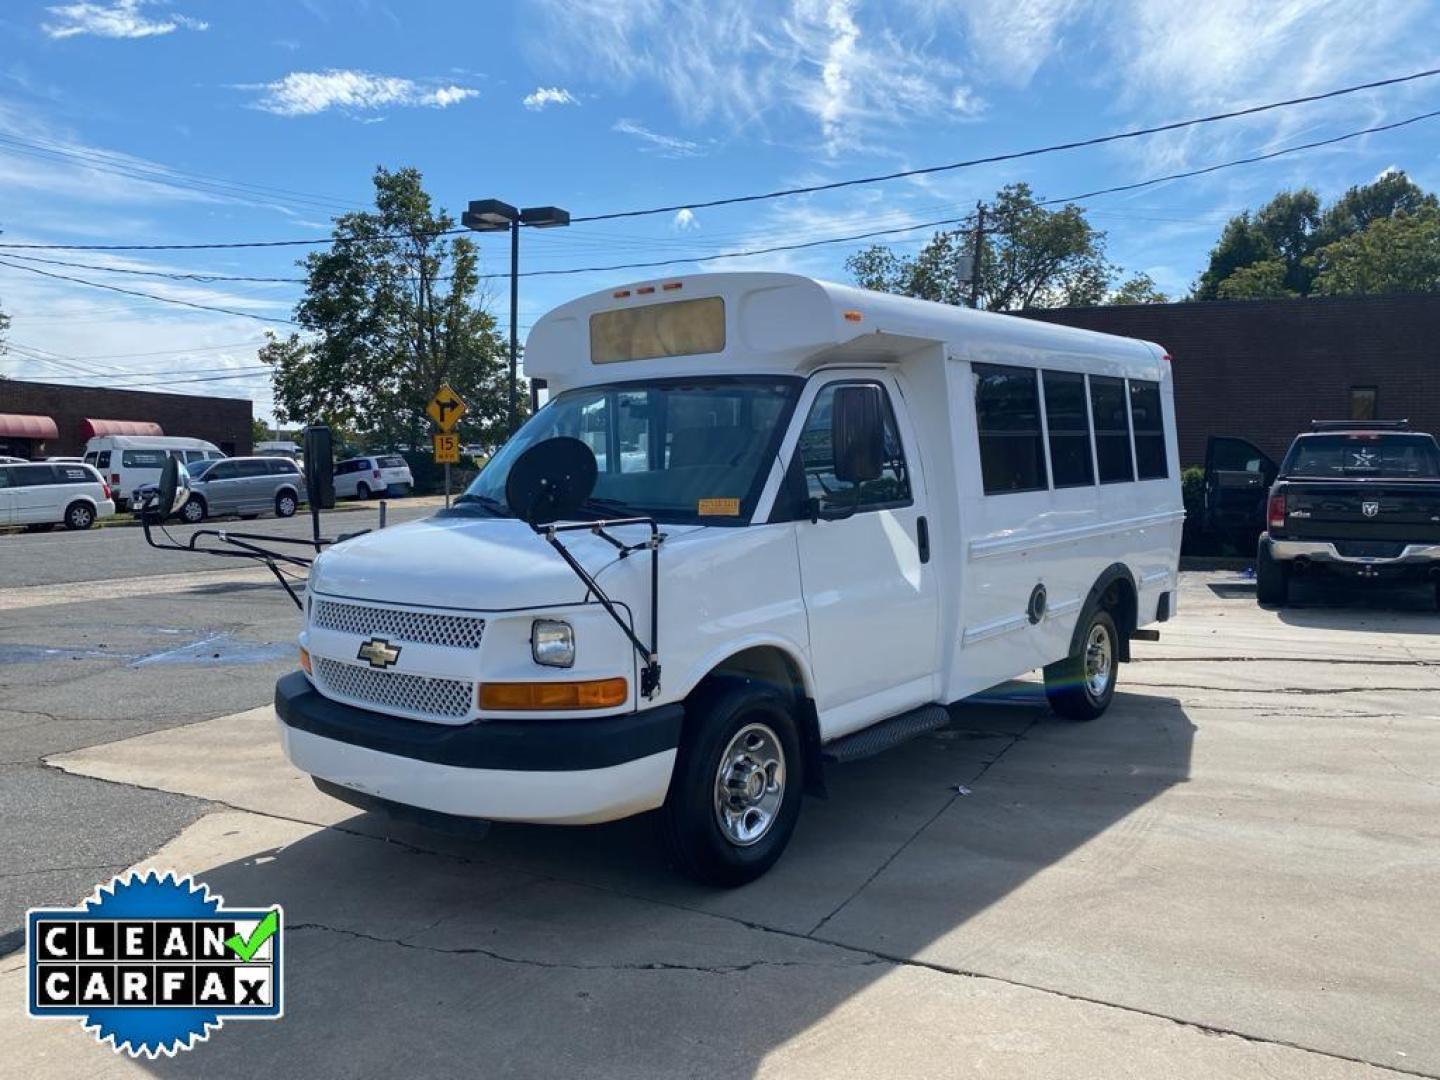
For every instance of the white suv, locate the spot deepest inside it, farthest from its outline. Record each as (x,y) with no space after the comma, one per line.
(39,495)
(360,478)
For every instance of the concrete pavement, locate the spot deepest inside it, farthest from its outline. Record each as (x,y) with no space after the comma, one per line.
(1231,873)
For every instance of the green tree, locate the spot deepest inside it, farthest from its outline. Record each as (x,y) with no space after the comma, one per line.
(1390,194)
(1031,256)
(1137,289)
(392,309)
(1274,252)
(1265,280)
(1392,254)
(259,430)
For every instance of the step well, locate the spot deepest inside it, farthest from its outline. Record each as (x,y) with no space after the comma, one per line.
(886,734)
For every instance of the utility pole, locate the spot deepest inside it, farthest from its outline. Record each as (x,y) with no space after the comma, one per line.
(976,255)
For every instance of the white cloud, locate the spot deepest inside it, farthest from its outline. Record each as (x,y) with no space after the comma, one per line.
(665,145)
(548,95)
(742,62)
(305,93)
(685,220)
(122,19)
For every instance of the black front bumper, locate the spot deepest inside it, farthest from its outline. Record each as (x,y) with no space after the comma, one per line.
(544,744)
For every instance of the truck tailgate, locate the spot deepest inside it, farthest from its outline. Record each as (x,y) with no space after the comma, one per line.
(1379,510)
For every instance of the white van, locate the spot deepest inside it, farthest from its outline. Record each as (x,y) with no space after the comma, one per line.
(42,494)
(130,461)
(866,507)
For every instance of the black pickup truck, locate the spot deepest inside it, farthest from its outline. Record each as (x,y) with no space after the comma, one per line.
(1352,499)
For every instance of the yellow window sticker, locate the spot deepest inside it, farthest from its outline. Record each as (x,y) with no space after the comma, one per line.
(719,508)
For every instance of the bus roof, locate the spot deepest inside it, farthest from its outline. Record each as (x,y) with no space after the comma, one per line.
(775,323)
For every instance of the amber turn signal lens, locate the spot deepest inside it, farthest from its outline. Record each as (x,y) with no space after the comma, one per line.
(305,660)
(518,696)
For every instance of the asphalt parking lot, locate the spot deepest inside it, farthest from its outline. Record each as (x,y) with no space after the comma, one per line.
(1232,873)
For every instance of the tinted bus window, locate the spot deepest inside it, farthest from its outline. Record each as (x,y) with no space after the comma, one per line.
(1068,423)
(1149,422)
(1007,417)
(143,459)
(1112,429)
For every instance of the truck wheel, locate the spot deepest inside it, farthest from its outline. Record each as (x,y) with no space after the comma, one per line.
(735,794)
(1080,687)
(79,515)
(1272,579)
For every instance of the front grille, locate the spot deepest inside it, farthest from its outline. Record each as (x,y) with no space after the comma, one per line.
(420,627)
(393,691)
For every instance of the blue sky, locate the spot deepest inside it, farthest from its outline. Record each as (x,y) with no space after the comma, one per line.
(265,117)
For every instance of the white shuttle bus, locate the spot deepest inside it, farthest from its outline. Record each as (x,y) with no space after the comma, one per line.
(763,521)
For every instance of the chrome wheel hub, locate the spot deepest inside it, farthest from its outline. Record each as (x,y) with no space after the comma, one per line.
(749,785)
(1099,659)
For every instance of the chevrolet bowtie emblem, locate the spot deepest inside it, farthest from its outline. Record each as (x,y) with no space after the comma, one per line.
(378,653)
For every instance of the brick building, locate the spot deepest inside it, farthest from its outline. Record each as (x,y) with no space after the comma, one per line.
(1263,369)
(44,419)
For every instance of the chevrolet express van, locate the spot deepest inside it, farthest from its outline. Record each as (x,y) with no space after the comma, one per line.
(763,521)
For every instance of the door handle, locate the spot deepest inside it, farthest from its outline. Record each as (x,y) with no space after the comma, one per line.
(922,538)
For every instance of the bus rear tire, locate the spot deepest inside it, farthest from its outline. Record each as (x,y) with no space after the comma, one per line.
(735,793)
(1080,687)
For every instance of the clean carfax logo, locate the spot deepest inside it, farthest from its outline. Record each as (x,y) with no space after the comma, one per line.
(152,964)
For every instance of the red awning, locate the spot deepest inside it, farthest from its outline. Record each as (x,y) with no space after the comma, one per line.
(28,427)
(89,429)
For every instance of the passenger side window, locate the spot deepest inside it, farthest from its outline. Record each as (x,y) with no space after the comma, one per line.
(816,455)
(73,474)
(282,467)
(1007,417)
(31,475)
(250,468)
(143,459)
(1067,422)
(1149,423)
(223,471)
(1112,429)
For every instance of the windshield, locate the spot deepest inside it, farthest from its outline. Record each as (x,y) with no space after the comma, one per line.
(677,450)
(1384,456)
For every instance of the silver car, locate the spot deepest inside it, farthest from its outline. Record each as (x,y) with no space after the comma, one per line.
(243,485)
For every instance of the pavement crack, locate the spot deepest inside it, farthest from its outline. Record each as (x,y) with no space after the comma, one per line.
(61,869)
(1016,738)
(557,965)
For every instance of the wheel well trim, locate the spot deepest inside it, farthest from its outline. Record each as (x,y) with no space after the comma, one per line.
(699,671)
(1108,577)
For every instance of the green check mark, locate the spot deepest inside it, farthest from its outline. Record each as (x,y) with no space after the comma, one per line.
(246,948)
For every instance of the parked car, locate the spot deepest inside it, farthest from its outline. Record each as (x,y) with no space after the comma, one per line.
(383,474)
(129,461)
(245,486)
(41,494)
(1352,499)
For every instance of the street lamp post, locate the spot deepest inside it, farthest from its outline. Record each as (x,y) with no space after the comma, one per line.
(492,215)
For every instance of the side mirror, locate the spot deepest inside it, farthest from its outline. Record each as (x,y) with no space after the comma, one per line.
(857,433)
(319,467)
(551,480)
(173,493)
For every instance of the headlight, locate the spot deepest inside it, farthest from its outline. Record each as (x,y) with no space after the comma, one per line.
(552,643)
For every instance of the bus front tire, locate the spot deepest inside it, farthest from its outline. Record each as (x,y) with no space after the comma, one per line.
(735,793)
(1080,687)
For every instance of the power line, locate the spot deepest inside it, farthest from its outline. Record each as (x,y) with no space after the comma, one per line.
(851,238)
(1015,155)
(172,275)
(148,296)
(1115,190)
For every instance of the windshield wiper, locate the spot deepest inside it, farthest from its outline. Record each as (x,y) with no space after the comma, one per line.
(484,502)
